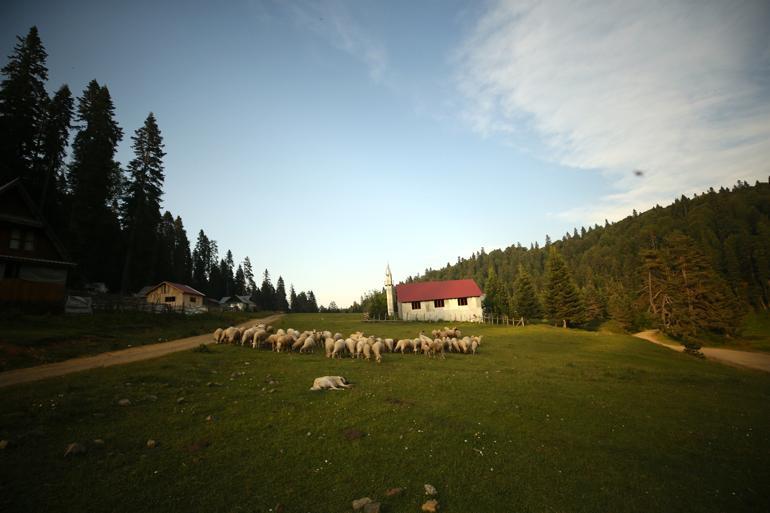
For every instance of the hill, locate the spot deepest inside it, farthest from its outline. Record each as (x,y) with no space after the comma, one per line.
(729,231)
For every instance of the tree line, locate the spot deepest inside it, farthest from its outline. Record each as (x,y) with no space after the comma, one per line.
(109,218)
(693,267)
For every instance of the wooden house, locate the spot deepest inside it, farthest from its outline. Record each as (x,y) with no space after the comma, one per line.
(176,296)
(33,263)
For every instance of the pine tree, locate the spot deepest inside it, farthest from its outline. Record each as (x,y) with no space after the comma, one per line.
(595,303)
(280,296)
(96,182)
(240,282)
(525,301)
(23,109)
(182,261)
(248,274)
(300,303)
(54,148)
(164,250)
(312,304)
(292,299)
(227,270)
(141,203)
(494,300)
(204,263)
(267,292)
(562,300)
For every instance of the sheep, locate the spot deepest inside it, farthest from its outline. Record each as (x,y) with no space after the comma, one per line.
(389,344)
(416,345)
(281,332)
(308,345)
(402,345)
(248,336)
(326,334)
(367,351)
(436,333)
(231,335)
(474,346)
(260,336)
(463,345)
(455,345)
(292,332)
(350,344)
(425,347)
(218,335)
(283,341)
(269,329)
(297,344)
(272,340)
(377,350)
(329,346)
(338,336)
(359,347)
(330,382)
(438,347)
(339,347)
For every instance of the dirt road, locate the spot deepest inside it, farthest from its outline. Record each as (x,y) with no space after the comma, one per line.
(111,358)
(752,360)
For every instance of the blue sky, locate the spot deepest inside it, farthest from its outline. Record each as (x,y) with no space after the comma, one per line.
(325,139)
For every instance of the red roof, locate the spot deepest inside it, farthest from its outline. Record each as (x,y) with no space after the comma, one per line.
(184,288)
(428,290)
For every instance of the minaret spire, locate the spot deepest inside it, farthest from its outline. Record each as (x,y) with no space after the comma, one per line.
(389,290)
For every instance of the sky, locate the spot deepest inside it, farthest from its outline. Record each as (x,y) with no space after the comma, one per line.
(326,139)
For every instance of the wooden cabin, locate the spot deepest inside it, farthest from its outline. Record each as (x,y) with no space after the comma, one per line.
(33,263)
(176,296)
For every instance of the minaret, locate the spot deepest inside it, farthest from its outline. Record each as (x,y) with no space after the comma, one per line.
(389,290)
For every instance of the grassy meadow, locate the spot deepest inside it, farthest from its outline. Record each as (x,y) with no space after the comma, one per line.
(27,340)
(542,419)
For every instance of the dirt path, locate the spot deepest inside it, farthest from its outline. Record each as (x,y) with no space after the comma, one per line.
(134,354)
(752,360)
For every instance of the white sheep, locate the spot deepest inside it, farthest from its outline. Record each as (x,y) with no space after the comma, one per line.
(329,346)
(377,349)
(218,335)
(359,347)
(474,346)
(350,344)
(367,351)
(330,382)
(403,345)
(308,345)
(338,336)
(248,336)
(389,344)
(339,347)
(231,335)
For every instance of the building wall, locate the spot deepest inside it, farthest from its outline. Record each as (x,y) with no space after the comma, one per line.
(451,311)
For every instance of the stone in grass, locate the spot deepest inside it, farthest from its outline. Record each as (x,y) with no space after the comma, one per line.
(430,490)
(360,503)
(180,400)
(372,507)
(151,444)
(124,402)
(390,492)
(74,449)
(3,444)
(98,442)
(430,506)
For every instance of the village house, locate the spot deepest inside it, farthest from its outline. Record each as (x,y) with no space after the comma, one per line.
(450,300)
(242,303)
(33,263)
(176,296)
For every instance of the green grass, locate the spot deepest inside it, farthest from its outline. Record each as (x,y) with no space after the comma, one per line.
(27,340)
(753,335)
(542,419)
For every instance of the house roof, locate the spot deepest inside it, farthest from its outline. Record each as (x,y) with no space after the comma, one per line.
(144,290)
(428,290)
(184,288)
(236,299)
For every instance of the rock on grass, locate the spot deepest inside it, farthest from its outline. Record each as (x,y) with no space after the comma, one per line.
(430,506)
(74,449)
(360,503)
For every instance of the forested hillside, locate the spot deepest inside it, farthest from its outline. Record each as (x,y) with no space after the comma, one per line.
(633,270)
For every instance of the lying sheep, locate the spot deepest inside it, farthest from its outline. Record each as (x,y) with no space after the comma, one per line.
(330,383)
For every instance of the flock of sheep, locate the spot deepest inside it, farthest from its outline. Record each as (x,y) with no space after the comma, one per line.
(357,345)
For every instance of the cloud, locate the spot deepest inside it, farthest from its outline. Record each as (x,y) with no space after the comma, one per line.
(678,89)
(332,21)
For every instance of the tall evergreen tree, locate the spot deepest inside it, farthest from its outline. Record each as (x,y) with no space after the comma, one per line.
(164,250)
(96,182)
(562,300)
(228,274)
(23,110)
(204,263)
(248,274)
(182,258)
(240,281)
(267,292)
(312,304)
(281,304)
(54,148)
(526,303)
(495,300)
(141,204)
(292,299)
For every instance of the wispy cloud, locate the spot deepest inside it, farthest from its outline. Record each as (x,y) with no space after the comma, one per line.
(333,21)
(678,89)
